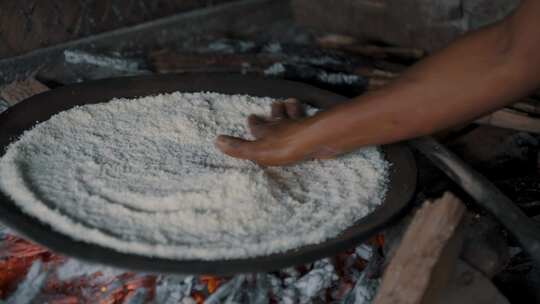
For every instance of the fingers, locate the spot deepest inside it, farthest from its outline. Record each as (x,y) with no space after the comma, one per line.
(278,110)
(289,108)
(294,108)
(258,126)
(235,147)
(262,151)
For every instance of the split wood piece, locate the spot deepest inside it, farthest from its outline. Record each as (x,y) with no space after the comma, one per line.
(168,61)
(18,91)
(511,119)
(529,105)
(425,258)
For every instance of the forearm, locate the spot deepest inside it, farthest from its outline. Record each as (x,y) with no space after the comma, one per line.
(477,74)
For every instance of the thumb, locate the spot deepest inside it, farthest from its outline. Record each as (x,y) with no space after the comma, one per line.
(235,147)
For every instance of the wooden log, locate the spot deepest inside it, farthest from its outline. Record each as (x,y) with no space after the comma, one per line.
(425,256)
(511,119)
(18,91)
(281,66)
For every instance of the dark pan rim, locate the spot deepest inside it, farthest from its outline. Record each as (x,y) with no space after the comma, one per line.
(23,116)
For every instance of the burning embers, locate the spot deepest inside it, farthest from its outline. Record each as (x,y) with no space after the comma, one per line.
(29,272)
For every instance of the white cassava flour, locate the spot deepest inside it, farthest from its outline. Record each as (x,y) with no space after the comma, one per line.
(143,176)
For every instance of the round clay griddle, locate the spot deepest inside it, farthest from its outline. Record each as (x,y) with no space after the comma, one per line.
(26,114)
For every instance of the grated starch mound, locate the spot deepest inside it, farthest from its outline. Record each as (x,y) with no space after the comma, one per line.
(143,176)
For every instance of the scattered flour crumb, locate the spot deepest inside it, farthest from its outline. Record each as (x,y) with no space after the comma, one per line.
(142,176)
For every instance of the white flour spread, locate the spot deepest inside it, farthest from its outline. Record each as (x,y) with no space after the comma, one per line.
(143,176)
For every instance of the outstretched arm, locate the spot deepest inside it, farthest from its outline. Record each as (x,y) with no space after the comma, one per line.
(477,74)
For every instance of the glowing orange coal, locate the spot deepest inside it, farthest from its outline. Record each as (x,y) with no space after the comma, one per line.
(212,283)
(17,256)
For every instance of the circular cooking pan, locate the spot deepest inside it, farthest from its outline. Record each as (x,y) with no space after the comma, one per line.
(26,114)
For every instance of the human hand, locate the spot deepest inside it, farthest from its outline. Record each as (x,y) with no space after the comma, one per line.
(279,139)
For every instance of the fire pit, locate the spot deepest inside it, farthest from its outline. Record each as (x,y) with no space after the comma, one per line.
(457,239)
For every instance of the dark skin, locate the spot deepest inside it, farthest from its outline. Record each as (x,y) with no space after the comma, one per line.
(477,74)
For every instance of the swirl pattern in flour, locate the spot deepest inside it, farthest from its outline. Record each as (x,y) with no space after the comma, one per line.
(142,176)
